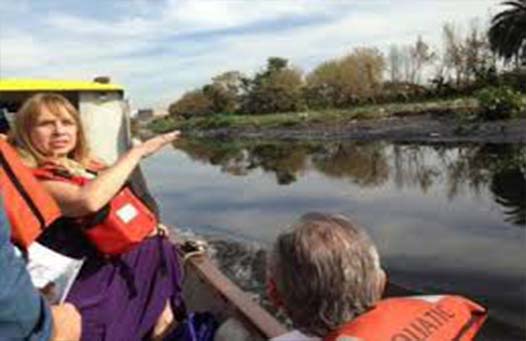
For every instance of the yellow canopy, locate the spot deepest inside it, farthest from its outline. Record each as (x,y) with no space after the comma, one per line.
(54,85)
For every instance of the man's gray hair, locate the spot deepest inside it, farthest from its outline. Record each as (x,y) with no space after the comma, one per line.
(327,272)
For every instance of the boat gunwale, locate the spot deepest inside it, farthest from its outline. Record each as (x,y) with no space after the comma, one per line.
(249,310)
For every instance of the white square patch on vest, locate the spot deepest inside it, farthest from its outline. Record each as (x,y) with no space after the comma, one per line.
(126,213)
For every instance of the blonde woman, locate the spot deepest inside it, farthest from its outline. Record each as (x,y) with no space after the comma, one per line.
(130,296)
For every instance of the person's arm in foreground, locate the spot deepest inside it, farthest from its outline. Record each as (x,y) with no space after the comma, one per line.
(24,314)
(78,201)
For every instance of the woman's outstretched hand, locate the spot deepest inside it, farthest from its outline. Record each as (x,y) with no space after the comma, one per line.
(152,145)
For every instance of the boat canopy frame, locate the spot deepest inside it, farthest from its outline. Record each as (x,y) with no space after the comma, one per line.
(41,85)
(13,92)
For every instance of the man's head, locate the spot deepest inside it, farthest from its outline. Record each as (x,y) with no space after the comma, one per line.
(325,271)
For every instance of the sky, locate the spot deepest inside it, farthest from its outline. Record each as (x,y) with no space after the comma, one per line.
(158,49)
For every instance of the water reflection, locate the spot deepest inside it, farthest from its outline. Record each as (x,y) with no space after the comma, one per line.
(457,169)
(443,216)
(362,164)
(509,188)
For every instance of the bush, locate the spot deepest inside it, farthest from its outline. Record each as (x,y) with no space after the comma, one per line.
(162,125)
(402,92)
(192,103)
(274,91)
(215,122)
(500,103)
(515,79)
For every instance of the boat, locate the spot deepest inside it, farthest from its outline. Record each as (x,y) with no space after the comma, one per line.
(105,112)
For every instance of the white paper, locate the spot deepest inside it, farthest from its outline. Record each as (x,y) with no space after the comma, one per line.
(49,267)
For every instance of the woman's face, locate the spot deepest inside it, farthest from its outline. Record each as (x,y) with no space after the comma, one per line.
(54,135)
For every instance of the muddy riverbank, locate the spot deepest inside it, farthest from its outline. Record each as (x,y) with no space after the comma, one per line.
(418,128)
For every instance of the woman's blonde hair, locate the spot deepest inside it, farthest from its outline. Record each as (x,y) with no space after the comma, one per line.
(26,119)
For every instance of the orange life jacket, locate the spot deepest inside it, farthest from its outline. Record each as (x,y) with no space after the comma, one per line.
(430,318)
(120,225)
(29,207)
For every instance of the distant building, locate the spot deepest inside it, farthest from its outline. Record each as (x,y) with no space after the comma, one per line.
(145,114)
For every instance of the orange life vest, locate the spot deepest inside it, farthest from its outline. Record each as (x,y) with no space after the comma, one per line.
(29,207)
(430,318)
(120,225)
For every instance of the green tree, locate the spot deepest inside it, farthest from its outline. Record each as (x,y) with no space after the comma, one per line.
(340,83)
(276,64)
(277,89)
(507,34)
(324,87)
(192,103)
(224,92)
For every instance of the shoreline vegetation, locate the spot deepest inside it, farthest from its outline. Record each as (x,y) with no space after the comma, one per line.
(452,120)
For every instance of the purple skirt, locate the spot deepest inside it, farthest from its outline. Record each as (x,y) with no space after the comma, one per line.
(121,298)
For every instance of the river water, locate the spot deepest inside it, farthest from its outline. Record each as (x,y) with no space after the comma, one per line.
(447,218)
